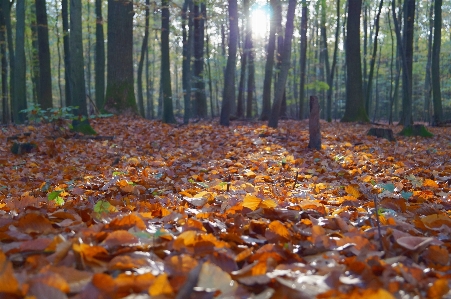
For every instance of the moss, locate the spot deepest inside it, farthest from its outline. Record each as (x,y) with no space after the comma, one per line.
(120,99)
(416,130)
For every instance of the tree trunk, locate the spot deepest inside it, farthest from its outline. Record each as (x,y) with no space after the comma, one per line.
(34,63)
(6,116)
(77,78)
(325,51)
(355,105)
(334,63)
(168,111)
(120,95)
(100,57)
(373,55)
(427,77)
(187,39)
(144,47)
(45,98)
(250,67)
(285,65)
(228,97)
(303,57)
(199,33)
(242,83)
(409,18)
(6,8)
(20,95)
(65,18)
(435,70)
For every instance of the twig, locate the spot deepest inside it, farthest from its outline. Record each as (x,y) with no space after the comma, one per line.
(296,179)
(378,223)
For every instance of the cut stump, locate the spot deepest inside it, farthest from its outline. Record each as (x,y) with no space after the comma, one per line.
(314,125)
(382,133)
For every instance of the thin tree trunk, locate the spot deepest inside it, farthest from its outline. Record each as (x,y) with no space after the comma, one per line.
(100,57)
(141,61)
(228,97)
(45,97)
(325,51)
(334,63)
(199,33)
(303,58)
(58,47)
(285,65)
(20,95)
(6,8)
(210,84)
(34,61)
(65,18)
(77,78)
(187,40)
(251,68)
(168,111)
(373,55)
(435,67)
(6,116)
(427,79)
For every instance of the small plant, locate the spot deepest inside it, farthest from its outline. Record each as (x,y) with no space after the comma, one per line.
(34,113)
(56,196)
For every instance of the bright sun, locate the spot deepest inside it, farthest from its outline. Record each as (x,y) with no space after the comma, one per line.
(260,22)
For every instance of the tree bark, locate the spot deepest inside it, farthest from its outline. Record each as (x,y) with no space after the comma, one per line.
(168,111)
(250,68)
(100,57)
(355,105)
(228,97)
(120,95)
(314,125)
(6,116)
(20,95)
(303,57)
(435,68)
(187,40)
(427,77)
(144,47)
(6,8)
(285,65)
(77,78)
(198,70)
(45,98)
(66,46)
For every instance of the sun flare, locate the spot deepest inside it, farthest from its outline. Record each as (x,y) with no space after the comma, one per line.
(260,22)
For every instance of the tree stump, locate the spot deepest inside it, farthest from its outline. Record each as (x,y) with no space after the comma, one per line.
(416,130)
(314,125)
(382,133)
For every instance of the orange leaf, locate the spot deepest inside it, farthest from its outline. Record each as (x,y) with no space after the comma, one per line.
(430,183)
(161,286)
(280,229)
(439,288)
(8,282)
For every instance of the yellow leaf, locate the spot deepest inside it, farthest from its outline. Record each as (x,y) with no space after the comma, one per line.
(353,190)
(161,286)
(268,203)
(251,202)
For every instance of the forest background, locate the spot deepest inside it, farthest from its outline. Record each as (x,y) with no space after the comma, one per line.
(37,53)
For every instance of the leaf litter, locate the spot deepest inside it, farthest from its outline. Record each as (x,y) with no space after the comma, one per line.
(203,211)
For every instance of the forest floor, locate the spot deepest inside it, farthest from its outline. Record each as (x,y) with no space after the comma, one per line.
(204,211)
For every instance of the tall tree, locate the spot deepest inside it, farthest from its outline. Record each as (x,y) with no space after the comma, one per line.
(144,47)
(198,68)
(242,83)
(330,77)
(20,95)
(228,97)
(285,65)
(77,78)
(100,57)
(6,117)
(407,57)
(6,9)
(373,56)
(355,105)
(66,46)
(250,68)
(435,68)
(168,111)
(269,65)
(187,40)
(120,94)
(427,77)
(303,57)
(45,98)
